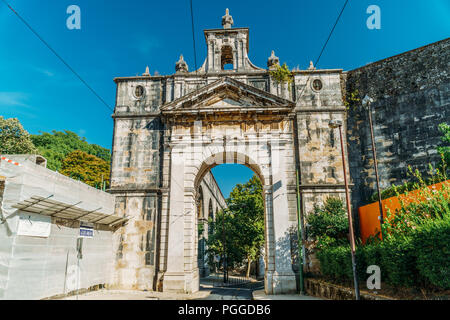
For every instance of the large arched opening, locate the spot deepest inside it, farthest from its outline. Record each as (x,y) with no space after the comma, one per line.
(183,272)
(245,160)
(240,226)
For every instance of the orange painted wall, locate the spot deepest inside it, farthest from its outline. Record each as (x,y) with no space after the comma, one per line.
(368,214)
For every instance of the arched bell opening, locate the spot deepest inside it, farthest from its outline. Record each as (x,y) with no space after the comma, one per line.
(227,58)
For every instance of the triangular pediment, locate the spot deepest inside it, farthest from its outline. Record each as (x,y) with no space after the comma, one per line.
(227,95)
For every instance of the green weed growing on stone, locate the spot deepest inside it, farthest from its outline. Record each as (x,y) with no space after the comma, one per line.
(282,74)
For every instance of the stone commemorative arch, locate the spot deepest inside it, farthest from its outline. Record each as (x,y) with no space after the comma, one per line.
(229,122)
(169,131)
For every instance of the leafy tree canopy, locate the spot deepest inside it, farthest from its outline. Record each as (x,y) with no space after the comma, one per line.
(85,167)
(57,145)
(14,139)
(242,223)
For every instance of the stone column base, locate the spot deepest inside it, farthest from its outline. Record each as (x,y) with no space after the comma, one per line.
(279,282)
(181,282)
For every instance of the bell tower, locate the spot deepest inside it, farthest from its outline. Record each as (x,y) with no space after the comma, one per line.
(227,48)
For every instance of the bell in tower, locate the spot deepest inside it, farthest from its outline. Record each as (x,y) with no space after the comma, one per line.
(227,49)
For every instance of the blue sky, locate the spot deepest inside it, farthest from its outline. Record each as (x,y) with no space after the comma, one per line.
(119,38)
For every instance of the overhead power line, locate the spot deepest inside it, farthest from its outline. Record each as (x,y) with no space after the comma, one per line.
(58,56)
(324,46)
(331,32)
(193,37)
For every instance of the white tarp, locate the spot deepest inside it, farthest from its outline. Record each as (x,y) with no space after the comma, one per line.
(33,266)
(34,225)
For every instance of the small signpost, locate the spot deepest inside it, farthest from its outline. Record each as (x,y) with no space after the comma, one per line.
(86,230)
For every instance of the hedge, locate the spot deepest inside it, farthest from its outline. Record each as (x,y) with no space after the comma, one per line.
(432,241)
(398,261)
(336,262)
(422,258)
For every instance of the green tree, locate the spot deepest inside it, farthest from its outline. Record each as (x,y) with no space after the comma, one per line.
(57,145)
(242,223)
(14,139)
(85,167)
(224,229)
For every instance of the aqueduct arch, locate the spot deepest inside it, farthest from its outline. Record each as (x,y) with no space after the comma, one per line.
(174,128)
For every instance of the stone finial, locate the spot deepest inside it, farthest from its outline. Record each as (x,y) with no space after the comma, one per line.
(181,65)
(273,61)
(311,66)
(227,20)
(147,72)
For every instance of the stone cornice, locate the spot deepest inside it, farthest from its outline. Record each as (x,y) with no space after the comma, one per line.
(223,73)
(261,101)
(323,186)
(320,109)
(133,115)
(307,72)
(134,190)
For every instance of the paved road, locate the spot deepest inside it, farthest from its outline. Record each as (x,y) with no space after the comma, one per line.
(207,292)
(237,292)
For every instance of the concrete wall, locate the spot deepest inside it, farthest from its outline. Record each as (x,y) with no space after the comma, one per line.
(411,97)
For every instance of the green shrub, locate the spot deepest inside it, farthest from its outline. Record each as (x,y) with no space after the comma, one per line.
(415,251)
(335,262)
(328,224)
(429,204)
(398,262)
(444,150)
(282,74)
(396,259)
(432,246)
(366,255)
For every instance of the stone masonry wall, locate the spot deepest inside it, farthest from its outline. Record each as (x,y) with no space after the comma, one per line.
(136,180)
(411,97)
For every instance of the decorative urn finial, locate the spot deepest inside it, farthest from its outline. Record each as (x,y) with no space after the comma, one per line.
(147,72)
(227,20)
(181,65)
(311,66)
(273,61)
